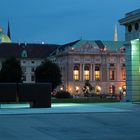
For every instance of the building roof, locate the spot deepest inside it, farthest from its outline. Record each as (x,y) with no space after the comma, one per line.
(109,45)
(92,46)
(32,50)
(63,47)
(70,44)
(130,17)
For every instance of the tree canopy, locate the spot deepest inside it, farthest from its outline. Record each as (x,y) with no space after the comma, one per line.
(48,72)
(11,71)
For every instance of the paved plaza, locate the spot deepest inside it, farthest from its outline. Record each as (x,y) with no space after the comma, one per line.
(102,121)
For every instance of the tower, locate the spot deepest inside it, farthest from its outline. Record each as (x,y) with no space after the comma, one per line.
(115,33)
(8,31)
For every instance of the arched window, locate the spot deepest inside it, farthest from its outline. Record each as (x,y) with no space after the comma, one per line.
(76,73)
(123,72)
(98,89)
(86,73)
(136,26)
(112,72)
(129,28)
(24,54)
(112,89)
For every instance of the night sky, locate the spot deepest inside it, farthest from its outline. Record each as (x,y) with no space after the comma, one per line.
(63,21)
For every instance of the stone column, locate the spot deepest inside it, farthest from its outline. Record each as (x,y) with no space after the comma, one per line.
(81,71)
(91,72)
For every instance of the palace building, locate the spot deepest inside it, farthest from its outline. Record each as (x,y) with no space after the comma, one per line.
(101,63)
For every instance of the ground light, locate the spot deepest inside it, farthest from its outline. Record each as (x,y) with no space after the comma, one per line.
(24,105)
(64,105)
(27,105)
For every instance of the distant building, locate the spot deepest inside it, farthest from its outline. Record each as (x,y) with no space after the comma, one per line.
(30,56)
(102,63)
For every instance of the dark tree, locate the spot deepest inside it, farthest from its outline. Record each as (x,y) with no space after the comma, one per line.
(48,72)
(11,71)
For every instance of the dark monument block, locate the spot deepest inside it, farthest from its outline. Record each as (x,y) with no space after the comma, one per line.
(8,92)
(39,94)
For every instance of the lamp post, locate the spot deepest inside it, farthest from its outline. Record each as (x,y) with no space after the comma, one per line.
(120,90)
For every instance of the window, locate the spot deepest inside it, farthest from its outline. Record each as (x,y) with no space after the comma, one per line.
(23,69)
(86,73)
(76,73)
(32,78)
(24,78)
(98,89)
(97,72)
(24,54)
(111,74)
(24,62)
(136,26)
(33,69)
(123,71)
(111,65)
(129,28)
(32,62)
(112,89)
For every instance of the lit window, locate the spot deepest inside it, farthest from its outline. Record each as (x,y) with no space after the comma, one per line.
(86,73)
(111,74)
(111,89)
(98,89)
(76,73)
(97,73)
(123,72)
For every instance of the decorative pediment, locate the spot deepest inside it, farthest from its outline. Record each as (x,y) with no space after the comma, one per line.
(86,46)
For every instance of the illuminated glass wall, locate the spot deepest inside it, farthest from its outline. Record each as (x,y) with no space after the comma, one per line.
(133,71)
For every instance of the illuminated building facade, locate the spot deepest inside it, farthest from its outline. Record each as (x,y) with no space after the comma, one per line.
(131,21)
(102,63)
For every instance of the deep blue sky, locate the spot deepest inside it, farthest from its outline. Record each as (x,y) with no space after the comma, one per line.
(62,21)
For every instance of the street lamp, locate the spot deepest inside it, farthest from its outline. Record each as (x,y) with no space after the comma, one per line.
(120,90)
